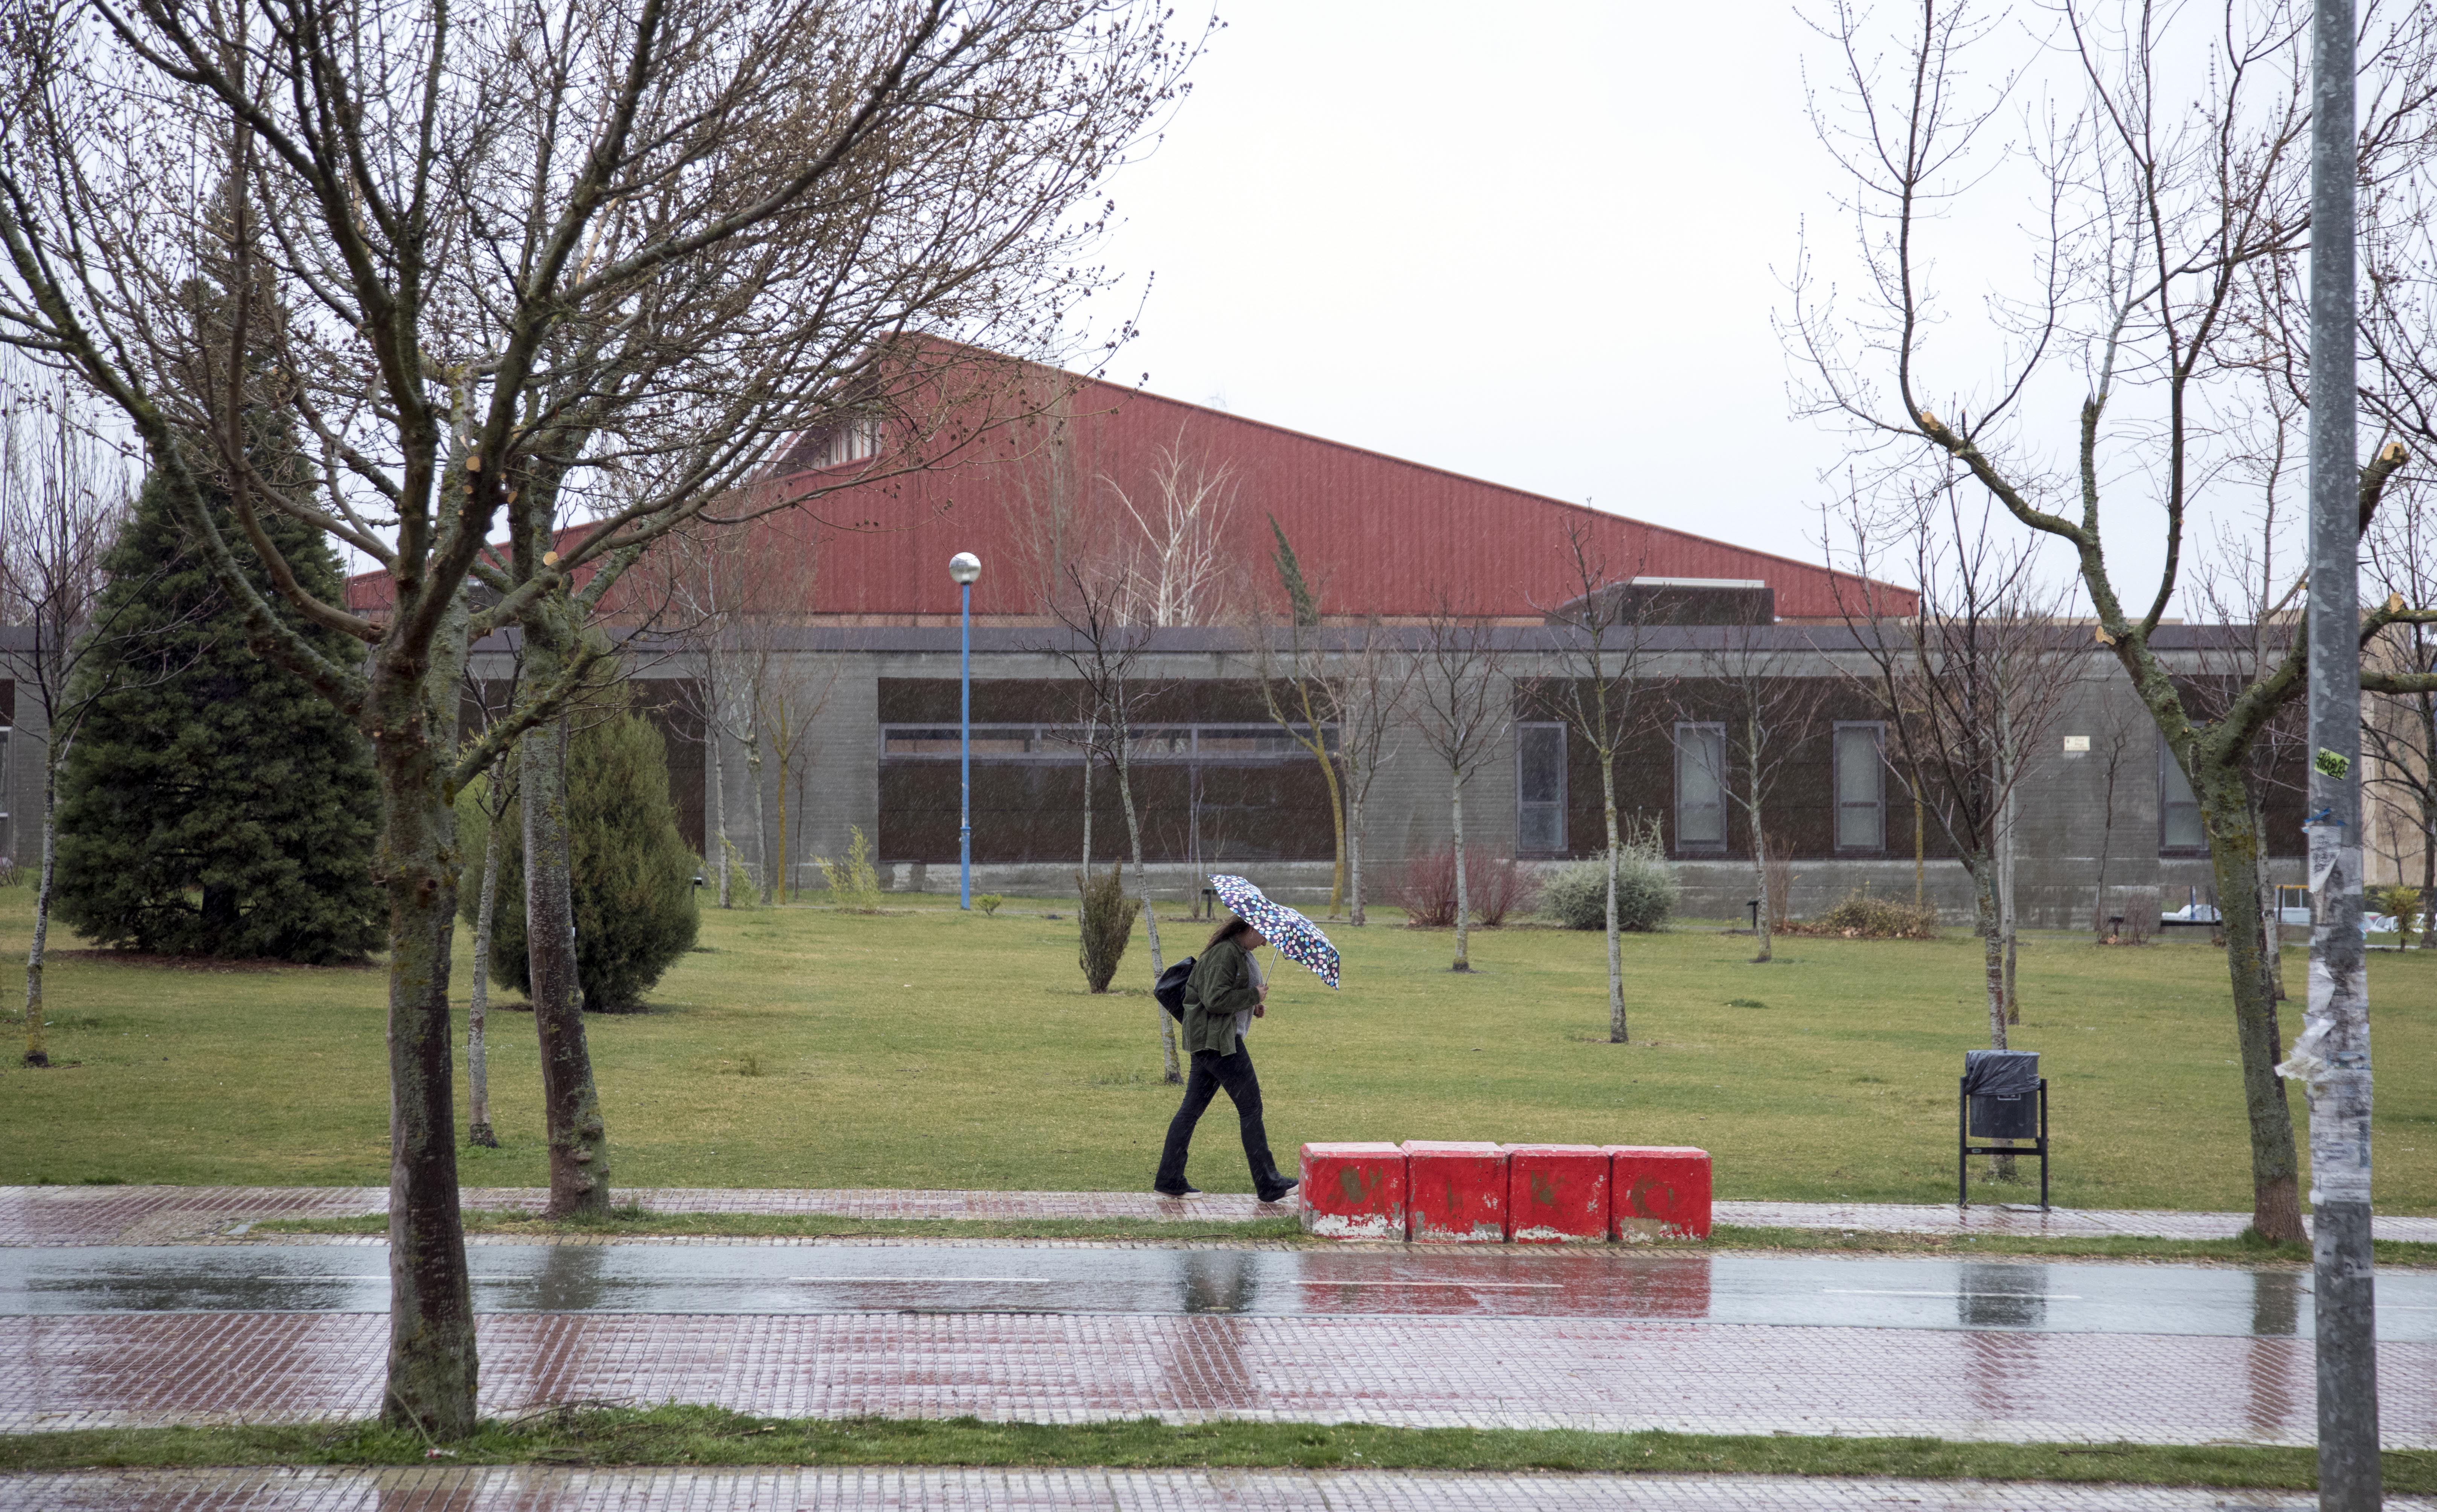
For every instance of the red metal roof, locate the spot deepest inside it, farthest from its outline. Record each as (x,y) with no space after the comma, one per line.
(1374,534)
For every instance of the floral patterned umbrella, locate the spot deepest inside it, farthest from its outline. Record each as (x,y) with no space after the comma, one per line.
(1297,938)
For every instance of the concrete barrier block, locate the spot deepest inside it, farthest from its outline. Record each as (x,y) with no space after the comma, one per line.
(1557,1194)
(1354,1190)
(1455,1192)
(1658,1191)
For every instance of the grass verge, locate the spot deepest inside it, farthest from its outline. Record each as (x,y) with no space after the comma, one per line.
(712,1436)
(630,1223)
(633,1223)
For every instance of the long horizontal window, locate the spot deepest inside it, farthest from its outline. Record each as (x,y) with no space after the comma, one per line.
(1234,744)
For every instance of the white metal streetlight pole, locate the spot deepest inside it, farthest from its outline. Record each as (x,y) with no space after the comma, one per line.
(965,567)
(2331,1058)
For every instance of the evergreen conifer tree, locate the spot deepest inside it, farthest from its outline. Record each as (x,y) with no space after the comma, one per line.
(214,804)
(629,868)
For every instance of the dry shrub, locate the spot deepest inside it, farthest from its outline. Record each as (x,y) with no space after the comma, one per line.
(1864,917)
(1426,888)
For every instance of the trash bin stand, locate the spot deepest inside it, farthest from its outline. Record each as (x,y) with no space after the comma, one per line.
(1965,1149)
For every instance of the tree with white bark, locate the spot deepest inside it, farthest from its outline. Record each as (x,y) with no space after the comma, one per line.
(1598,699)
(1373,691)
(1464,709)
(64,496)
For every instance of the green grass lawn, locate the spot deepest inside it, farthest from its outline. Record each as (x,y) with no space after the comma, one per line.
(922,1048)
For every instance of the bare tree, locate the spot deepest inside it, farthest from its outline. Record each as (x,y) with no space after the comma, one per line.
(2399,730)
(62,500)
(2170,209)
(1965,686)
(518,256)
(1296,667)
(1464,710)
(1770,713)
(2116,739)
(1372,690)
(1105,649)
(493,699)
(1176,565)
(1596,699)
(789,695)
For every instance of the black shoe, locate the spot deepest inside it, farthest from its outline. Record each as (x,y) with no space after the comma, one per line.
(1182,1191)
(1280,1192)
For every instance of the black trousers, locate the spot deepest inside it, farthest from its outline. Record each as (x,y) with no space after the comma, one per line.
(1211,1071)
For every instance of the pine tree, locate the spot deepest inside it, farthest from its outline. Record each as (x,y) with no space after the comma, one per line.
(214,804)
(630,870)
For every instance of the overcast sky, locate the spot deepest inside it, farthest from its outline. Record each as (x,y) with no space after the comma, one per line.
(1539,245)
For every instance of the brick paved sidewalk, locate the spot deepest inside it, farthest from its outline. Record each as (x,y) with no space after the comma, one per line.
(1600,1374)
(160,1215)
(529,1490)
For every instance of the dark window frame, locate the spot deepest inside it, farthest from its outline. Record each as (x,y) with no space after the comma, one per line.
(2167,804)
(1878,730)
(1719,774)
(1178,743)
(1524,806)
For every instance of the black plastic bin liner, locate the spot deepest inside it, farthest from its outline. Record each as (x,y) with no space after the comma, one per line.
(2003,1086)
(2000,1073)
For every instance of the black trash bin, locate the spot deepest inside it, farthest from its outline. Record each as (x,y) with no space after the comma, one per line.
(2002,1096)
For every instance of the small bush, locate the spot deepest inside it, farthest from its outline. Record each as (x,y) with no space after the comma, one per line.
(2400,900)
(853,883)
(1863,917)
(1576,895)
(1108,923)
(1496,887)
(742,891)
(988,903)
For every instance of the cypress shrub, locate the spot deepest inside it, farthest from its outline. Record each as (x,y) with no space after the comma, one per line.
(214,803)
(1108,922)
(629,870)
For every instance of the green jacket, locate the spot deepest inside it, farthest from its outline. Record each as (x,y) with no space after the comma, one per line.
(1222,985)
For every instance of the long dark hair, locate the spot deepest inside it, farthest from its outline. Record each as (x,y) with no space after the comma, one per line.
(1229,930)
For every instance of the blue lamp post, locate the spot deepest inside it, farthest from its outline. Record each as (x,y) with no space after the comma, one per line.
(965,567)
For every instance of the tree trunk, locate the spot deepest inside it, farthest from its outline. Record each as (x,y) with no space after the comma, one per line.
(478,1063)
(579,1145)
(786,856)
(2271,921)
(1354,861)
(433,1368)
(760,811)
(1993,946)
(1337,818)
(1762,923)
(1920,850)
(1616,1031)
(1169,1069)
(37,1051)
(1992,965)
(719,816)
(2234,859)
(2005,847)
(1462,889)
(1087,808)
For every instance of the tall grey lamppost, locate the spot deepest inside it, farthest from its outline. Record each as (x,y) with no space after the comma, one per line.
(965,567)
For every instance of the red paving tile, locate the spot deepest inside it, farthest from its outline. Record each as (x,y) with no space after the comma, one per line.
(889,1489)
(89,1370)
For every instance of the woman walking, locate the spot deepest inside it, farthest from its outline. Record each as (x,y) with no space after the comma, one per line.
(1221,999)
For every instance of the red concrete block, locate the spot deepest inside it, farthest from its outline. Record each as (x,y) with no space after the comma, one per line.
(1656,1190)
(1354,1190)
(1455,1192)
(1557,1194)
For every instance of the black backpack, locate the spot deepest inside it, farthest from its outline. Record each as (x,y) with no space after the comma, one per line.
(1170,989)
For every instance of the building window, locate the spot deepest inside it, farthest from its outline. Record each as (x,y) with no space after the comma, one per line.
(850,441)
(1861,787)
(2179,810)
(1163,743)
(1700,788)
(1540,789)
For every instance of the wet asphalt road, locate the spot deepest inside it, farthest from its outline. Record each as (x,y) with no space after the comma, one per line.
(1691,1287)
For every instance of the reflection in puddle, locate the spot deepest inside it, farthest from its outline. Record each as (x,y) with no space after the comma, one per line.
(2003,1297)
(1219,1280)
